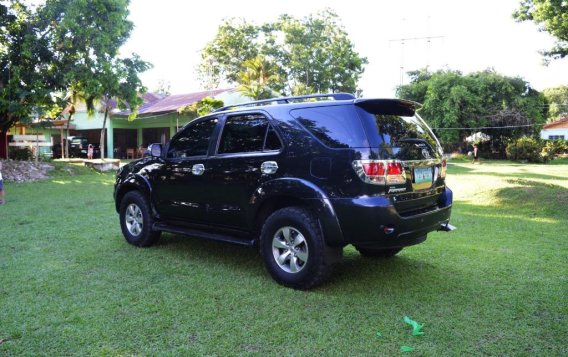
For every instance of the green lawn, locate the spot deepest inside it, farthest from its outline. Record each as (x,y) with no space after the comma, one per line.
(71,285)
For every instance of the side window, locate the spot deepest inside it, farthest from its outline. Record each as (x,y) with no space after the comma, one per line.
(335,126)
(248,133)
(272,142)
(193,140)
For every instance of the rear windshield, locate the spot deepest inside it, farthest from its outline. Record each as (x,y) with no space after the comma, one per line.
(400,136)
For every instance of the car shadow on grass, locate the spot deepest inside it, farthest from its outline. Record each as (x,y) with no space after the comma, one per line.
(354,272)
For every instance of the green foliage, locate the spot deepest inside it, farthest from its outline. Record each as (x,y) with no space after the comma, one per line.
(202,107)
(557,102)
(308,55)
(552,17)
(481,99)
(66,46)
(257,78)
(20,154)
(553,148)
(525,149)
(26,73)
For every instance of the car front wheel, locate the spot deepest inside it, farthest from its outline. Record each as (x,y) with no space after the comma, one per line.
(294,250)
(136,220)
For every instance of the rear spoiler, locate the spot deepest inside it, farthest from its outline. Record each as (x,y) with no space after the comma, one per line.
(388,106)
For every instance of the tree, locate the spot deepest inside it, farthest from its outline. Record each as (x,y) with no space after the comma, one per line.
(313,54)
(257,78)
(27,76)
(86,36)
(458,105)
(552,17)
(64,46)
(120,85)
(201,107)
(557,102)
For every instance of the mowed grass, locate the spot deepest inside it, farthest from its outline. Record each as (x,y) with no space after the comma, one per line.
(71,285)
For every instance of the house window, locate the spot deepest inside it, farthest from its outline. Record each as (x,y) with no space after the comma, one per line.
(556,137)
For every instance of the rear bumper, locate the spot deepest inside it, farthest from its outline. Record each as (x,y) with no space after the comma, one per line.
(375,221)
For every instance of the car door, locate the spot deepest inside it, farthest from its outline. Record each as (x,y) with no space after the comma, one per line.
(248,153)
(181,187)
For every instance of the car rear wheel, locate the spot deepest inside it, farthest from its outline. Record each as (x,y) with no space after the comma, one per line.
(371,252)
(136,220)
(294,250)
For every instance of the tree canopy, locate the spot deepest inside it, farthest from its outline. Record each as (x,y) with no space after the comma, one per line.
(201,107)
(312,54)
(557,98)
(551,16)
(458,105)
(61,46)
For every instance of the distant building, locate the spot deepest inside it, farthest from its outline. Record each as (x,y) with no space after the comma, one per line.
(157,121)
(555,130)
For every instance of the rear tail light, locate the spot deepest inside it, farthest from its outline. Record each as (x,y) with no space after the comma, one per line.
(374,168)
(380,172)
(394,169)
(443,168)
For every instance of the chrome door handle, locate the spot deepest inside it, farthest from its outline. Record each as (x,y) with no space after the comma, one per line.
(269,167)
(198,169)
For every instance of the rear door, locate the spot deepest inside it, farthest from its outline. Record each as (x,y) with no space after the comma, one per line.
(400,140)
(248,153)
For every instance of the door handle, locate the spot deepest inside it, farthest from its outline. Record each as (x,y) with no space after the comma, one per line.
(198,169)
(269,167)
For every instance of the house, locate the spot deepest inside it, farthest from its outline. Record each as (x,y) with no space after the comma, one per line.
(157,121)
(555,130)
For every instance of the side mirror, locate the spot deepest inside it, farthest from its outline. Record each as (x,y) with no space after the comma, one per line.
(155,149)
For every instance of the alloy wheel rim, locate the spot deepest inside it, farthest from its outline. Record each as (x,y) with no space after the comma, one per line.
(290,250)
(134,220)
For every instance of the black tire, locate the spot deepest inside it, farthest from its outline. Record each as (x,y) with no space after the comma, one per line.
(303,250)
(371,252)
(136,220)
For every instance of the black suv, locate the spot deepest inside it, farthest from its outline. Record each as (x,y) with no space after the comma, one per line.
(299,177)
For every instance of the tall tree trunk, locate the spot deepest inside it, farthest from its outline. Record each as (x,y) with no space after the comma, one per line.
(103,132)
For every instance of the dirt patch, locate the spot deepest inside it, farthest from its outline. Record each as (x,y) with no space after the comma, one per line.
(24,171)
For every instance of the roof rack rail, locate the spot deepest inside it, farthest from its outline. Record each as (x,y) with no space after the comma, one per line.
(286,100)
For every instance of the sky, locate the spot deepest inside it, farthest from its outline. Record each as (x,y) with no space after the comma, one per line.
(467,36)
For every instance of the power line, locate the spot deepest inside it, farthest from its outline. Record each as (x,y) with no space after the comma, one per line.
(492,127)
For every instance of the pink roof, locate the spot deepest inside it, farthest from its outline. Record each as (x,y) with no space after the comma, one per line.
(154,104)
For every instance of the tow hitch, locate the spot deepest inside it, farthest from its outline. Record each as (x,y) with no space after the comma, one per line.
(447,228)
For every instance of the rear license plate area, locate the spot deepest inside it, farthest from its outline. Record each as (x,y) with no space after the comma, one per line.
(423,175)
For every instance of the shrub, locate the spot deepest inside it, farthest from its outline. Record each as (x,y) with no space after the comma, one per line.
(525,149)
(21,154)
(553,148)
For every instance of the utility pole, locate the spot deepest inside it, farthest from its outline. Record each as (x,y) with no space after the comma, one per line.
(403,41)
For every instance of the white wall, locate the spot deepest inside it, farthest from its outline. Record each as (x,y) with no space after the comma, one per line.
(545,133)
